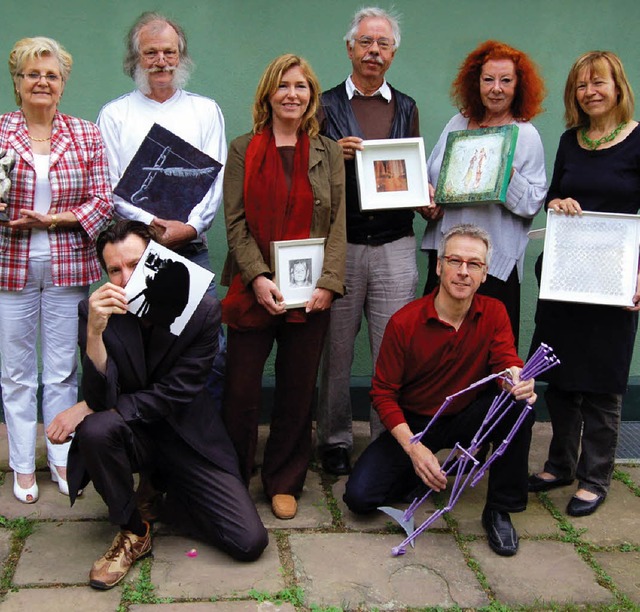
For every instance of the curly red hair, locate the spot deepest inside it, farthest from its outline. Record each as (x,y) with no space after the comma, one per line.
(530,89)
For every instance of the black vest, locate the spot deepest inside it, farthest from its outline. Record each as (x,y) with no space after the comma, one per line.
(339,122)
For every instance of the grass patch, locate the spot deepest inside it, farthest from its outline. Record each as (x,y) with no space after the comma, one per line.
(142,590)
(572,535)
(21,528)
(284,555)
(626,479)
(293,595)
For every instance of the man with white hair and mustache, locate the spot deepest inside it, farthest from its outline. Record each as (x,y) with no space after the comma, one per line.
(381,270)
(158,61)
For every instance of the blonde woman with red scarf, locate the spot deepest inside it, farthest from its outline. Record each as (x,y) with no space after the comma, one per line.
(282,181)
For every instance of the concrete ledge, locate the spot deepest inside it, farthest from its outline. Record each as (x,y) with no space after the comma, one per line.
(360,386)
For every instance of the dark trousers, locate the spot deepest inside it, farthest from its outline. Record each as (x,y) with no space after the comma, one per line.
(508,292)
(207,502)
(384,473)
(199,254)
(588,419)
(288,450)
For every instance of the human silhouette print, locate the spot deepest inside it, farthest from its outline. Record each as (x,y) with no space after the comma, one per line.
(166,293)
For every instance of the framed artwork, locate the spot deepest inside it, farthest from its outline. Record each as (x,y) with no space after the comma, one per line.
(167,176)
(392,173)
(298,266)
(590,258)
(476,167)
(166,288)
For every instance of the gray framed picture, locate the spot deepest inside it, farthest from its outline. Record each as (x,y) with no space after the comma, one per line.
(297,265)
(590,258)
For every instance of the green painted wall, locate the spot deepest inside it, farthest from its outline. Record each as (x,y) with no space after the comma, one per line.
(232,40)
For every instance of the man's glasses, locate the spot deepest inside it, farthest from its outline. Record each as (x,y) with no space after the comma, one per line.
(384,44)
(169,54)
(34,77)
(456,262)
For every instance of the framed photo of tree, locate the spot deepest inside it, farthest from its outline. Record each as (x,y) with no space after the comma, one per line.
(392,173)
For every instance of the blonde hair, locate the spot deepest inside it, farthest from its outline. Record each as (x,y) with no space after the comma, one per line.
(268,85)
(29,49)
(596,62)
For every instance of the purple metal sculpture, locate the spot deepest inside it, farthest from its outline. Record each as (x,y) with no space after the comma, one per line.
(458,460)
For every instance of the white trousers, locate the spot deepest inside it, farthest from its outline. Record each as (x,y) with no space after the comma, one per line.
(50,313)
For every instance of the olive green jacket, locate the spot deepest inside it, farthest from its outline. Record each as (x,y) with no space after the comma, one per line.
(326,175)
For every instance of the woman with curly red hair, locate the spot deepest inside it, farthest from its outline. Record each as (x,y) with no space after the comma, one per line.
(496,85)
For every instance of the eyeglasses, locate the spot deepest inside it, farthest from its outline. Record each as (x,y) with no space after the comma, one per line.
(169,54)
(456,263)
(34,77)
(384,44)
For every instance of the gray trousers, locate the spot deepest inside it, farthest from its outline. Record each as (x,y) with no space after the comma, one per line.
(597,417)
(380,280)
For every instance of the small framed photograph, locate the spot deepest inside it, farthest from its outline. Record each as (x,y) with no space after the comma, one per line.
(166,288)
(392,173)
(476,167)
(298,266)
(590,258)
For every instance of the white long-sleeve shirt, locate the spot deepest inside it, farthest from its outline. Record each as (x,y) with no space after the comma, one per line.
(506,223)
(125,121)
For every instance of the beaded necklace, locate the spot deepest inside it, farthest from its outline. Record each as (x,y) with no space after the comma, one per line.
(594,144)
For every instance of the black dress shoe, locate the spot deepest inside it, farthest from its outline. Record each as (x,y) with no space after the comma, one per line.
(537,484)
(336,461)
(503,538)
(582,507)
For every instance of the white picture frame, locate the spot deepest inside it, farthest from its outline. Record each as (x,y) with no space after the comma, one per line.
(590,258)
(392,173)
(290,259)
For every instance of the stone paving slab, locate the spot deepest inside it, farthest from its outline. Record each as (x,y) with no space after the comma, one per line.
(351,570)
(534,521)
(621,503)
(312,508)
(379,521)
(624,569)
(541,436)
(62,600)
(62,553)
(219,606)
(212,573)
(633,471)
(542,572)
(5,544)
(51,503)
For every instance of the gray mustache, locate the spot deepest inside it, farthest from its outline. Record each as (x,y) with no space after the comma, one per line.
(372,58)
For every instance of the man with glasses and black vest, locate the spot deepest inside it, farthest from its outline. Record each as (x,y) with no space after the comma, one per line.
(381,270)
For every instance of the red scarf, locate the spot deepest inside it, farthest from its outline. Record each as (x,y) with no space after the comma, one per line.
(272,212)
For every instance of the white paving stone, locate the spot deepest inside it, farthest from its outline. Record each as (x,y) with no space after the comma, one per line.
(352,570)
(211,573)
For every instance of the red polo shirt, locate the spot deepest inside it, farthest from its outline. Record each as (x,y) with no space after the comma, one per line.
(423,360)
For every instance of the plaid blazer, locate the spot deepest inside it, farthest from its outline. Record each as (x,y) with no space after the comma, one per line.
(79,178)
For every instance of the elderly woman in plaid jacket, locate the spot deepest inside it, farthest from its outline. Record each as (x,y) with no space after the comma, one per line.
(59,201)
